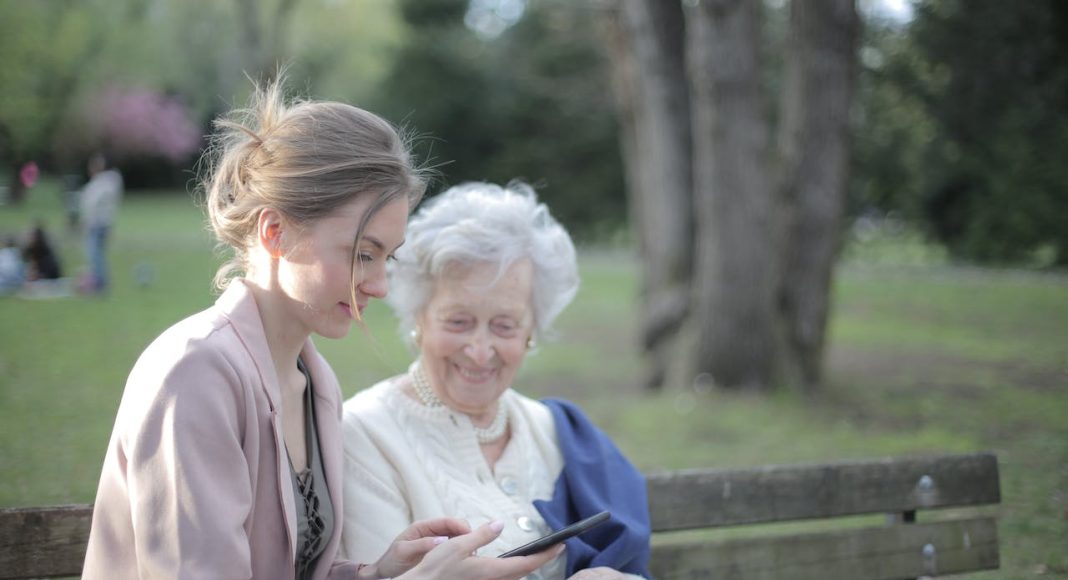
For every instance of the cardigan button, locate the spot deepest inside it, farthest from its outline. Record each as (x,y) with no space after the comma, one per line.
(509,485)
(525,523)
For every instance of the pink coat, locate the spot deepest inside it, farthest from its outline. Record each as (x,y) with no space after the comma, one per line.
(195,482)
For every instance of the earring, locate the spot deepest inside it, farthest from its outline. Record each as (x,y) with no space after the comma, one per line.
(531,343)
(416,334)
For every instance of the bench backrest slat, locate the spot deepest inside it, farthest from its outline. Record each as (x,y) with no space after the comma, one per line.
(716,498)
(43,542)
(900,551)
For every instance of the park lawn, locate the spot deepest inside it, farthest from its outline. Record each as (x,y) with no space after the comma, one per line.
(921,360)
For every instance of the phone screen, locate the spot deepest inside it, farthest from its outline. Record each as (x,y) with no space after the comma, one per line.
(558,536)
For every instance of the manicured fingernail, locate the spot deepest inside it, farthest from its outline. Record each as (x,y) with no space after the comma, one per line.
(497,525)
(439,540)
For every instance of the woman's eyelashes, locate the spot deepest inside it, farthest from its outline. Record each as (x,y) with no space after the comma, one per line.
(368,257)
(505,328)
(457,323)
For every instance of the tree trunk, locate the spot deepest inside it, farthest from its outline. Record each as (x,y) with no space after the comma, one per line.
(735,276)
(647,42)
(814,154)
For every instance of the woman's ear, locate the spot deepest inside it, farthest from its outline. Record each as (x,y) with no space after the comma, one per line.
(269,230)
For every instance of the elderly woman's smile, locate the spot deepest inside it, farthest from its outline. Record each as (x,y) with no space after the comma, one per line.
(475,375)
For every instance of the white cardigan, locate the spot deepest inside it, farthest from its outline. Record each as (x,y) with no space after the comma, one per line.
(406,462)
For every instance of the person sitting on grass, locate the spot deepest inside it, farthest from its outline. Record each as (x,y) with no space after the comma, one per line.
(12,269)
(40,257)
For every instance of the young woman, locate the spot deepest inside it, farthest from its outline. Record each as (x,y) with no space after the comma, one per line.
(225,459)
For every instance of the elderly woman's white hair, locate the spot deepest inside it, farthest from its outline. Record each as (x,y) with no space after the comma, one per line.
(483,222)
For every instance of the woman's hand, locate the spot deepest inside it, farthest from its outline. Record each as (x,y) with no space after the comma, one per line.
(411,545)
(599,573)
(455,559)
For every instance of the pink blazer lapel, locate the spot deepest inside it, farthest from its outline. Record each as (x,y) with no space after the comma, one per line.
(238,305)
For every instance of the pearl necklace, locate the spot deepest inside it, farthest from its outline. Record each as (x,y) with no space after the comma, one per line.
(423,390)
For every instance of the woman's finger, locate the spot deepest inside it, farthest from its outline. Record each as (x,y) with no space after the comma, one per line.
(448,527)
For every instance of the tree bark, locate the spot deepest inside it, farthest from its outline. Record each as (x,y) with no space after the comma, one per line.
(735,276)
(758,247)
(813,147)
(647,42)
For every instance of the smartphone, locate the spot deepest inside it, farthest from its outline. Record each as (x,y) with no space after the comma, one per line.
(545,542)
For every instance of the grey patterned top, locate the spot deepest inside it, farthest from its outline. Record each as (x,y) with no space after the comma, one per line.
(315,511)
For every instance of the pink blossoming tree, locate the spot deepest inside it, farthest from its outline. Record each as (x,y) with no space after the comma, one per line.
(145,123)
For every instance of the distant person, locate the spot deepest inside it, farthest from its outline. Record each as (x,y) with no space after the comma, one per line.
(484,273)
(12,268)
(99,203)
(40,257)
(226,456)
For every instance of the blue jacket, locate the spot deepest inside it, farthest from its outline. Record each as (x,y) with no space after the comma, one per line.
(596,477)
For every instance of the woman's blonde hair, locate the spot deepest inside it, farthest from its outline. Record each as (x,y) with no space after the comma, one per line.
(304,159)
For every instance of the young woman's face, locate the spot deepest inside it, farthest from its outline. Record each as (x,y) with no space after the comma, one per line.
(315,274)
(474,333)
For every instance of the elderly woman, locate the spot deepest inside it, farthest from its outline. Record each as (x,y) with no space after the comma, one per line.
(483,274)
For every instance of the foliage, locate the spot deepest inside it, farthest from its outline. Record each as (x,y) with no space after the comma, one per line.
(966,127)
(43,44)
(531,103)
(58,56)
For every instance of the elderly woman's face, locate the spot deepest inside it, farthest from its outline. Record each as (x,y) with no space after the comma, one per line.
(474,333)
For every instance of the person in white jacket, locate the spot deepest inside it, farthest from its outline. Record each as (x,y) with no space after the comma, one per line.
(99,203)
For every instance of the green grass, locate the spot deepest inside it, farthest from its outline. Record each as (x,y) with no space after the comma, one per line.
(923,357)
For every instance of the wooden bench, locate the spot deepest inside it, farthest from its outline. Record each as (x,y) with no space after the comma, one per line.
(899,487)
(50,541)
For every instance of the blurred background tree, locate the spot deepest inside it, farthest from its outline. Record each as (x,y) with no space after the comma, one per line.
(647,41)
(505,93)
(59,58)
(767,192)
(965,129)
(45,48)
